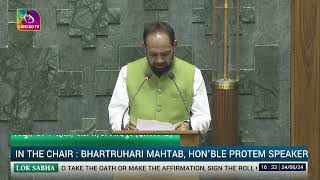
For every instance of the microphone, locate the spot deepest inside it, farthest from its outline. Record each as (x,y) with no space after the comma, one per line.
(172,77)
(147,76)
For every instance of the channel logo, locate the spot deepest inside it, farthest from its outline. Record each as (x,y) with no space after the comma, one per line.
(28,20)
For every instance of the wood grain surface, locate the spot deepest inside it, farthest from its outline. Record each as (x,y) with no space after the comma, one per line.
(305,79)
(226,125)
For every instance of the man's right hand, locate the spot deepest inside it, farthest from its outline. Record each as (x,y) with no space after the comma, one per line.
(131,126)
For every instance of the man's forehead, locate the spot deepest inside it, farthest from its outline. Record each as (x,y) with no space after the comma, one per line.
(158,42)
(159,50)
(158,36)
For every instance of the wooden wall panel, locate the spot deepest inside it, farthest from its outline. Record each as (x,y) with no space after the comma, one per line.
(305,79)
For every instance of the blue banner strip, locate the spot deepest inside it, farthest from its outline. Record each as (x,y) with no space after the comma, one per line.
(204,153)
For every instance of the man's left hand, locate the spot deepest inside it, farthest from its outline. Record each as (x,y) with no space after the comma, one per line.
(182,126)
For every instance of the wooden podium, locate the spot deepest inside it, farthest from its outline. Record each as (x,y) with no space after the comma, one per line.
(187,138)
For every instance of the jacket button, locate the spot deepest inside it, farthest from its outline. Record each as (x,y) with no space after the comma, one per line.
(158,109)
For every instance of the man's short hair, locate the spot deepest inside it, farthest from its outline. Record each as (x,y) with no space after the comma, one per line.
(158,27)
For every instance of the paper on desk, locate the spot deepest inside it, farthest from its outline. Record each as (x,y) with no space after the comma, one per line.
(153,125)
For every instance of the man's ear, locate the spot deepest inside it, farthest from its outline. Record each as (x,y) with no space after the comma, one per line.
(175,44)
(144,47)
(142,44)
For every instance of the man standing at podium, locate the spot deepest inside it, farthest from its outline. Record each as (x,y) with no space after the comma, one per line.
(160,87)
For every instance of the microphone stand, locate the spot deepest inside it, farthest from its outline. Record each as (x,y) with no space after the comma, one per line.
(171,76)
(147,76)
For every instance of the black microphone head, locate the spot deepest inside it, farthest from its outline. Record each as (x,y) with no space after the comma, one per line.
(148,75)
(171,75)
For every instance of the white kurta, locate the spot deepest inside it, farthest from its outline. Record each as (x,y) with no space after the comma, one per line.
(200,118)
